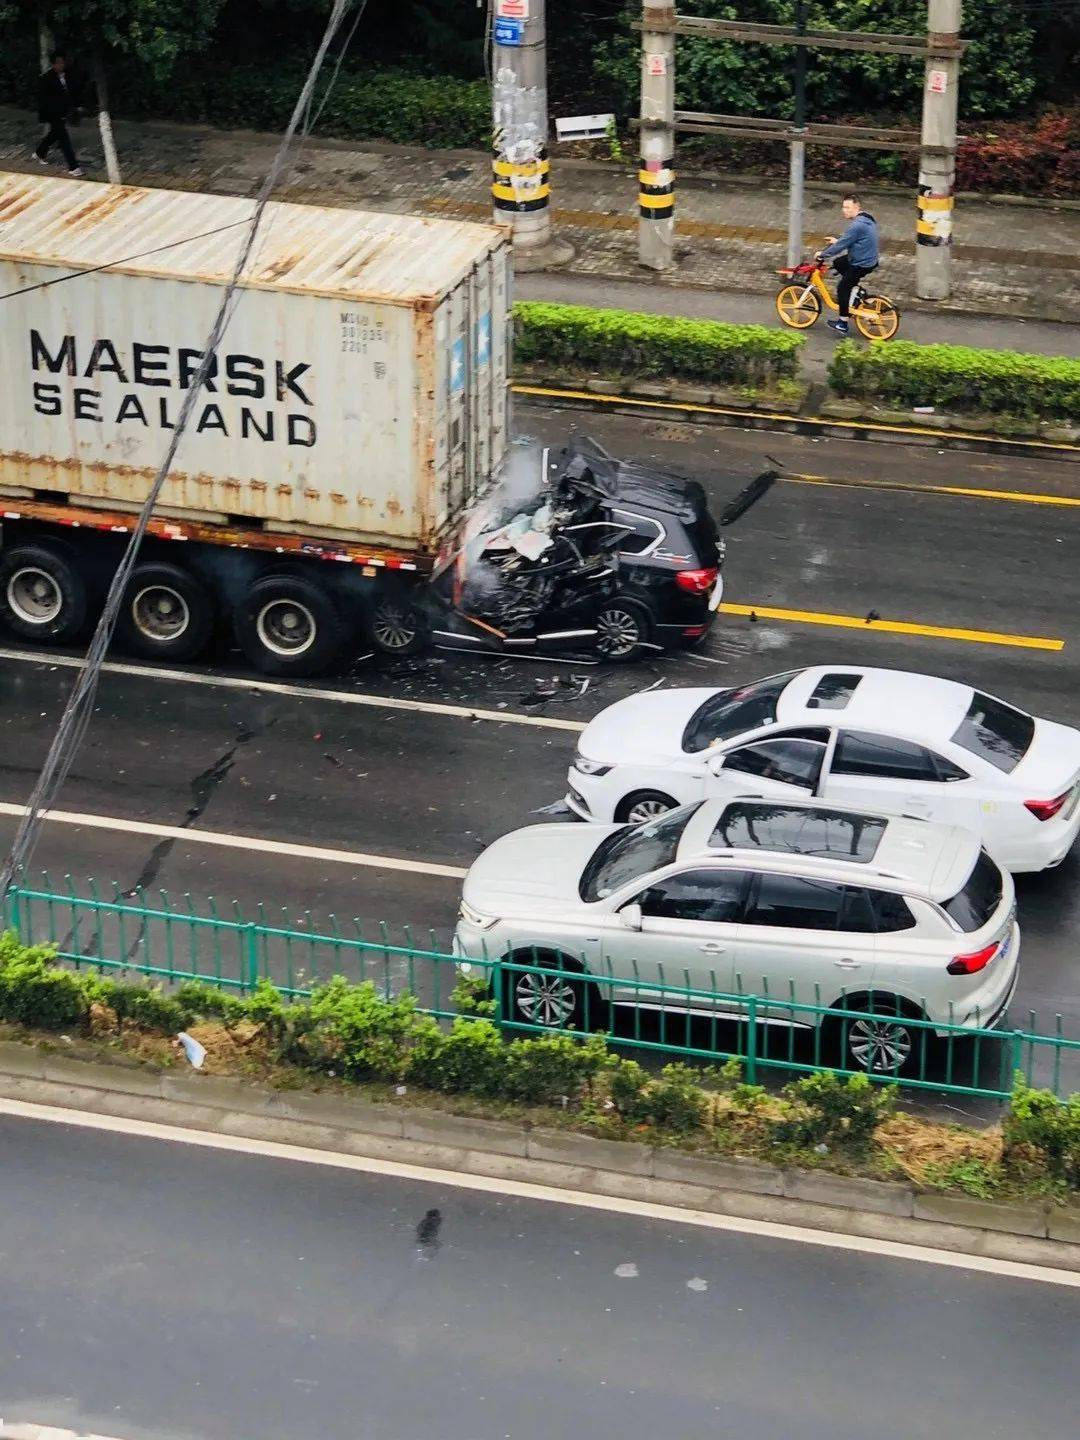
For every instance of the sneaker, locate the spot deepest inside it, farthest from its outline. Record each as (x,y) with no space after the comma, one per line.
(77,174)
(840,326)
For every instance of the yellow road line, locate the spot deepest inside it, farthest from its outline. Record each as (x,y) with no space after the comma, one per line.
(911,488)
(548,392)
(895,627)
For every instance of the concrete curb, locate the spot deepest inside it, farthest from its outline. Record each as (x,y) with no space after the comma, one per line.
(1036,1234)
(703,406)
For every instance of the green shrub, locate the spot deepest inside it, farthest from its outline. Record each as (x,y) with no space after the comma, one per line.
(674,1103)
(958,377)
(623,342)
(978,1178)
(138,1005)
(472,1058)
(1038,1120)
(472,996)
(628,1083)
(354,1031)
(210,1002)
(827,1110)
(542,1071)
(36,992)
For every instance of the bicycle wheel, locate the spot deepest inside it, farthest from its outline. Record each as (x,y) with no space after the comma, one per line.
(797,306)
(876,318)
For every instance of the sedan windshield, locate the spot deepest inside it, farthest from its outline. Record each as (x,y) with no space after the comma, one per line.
(996,732)
(733,712)
(634,851)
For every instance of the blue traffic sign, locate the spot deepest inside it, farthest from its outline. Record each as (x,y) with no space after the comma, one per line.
(509,32)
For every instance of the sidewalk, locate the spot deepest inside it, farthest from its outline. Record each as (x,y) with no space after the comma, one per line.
(1014,261)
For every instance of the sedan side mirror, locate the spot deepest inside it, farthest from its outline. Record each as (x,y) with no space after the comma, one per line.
(631,916)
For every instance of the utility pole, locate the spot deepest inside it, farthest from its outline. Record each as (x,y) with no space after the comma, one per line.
(797,170)
(937,161)
(521,179)
(656,178)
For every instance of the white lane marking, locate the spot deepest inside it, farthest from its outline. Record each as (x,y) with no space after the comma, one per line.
(241,842)
(278,687)
(526,1190)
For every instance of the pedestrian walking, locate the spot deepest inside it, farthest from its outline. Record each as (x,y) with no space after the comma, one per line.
(54,106)
(854,255)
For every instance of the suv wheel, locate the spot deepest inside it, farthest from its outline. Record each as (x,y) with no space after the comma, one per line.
(623,629)
(882,1044)
(550,993)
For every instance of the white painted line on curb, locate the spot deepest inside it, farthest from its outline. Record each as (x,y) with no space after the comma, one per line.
(301,692)
(524,1190)
(241,842)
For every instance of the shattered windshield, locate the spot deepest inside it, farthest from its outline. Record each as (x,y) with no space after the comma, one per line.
(634,851)
(733,712)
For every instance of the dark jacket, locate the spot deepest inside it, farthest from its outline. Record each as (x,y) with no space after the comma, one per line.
(860,240)
(55,100)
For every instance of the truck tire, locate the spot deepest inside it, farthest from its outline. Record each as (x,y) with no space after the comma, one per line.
(289,625)
(42,594)
(398,627)
(167,614)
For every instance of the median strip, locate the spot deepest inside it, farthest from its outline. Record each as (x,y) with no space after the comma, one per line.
(894,627)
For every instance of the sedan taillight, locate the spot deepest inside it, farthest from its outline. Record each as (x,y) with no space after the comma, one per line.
(972,964)
(697,582)
(1047,809)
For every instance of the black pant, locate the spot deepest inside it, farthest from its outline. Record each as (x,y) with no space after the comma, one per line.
(850,275)
(57,134)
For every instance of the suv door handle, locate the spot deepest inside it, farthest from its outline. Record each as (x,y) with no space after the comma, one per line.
(847,964)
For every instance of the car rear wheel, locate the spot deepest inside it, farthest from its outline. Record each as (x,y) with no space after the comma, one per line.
(643,805)
(623,629)
(884,1043)
(397,627)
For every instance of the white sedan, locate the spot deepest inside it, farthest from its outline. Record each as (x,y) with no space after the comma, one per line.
(884,739)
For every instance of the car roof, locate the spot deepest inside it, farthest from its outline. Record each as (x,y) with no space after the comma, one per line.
(918,707)
(918,857)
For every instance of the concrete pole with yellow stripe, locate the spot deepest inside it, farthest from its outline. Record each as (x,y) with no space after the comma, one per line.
(656,177)
(937,163)
(521,179)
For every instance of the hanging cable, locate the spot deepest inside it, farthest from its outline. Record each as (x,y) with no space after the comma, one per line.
(79,709)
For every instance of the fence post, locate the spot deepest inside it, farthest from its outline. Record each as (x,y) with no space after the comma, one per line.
(751,1041)
(251,952)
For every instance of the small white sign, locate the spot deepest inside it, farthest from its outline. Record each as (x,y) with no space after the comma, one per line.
(656,64)
(512,9)
(583,127)
(937,82)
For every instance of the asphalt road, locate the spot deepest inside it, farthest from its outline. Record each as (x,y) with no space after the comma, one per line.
(854,527)
(158,1291)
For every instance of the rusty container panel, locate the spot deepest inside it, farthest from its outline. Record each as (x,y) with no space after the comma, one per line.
(359,359)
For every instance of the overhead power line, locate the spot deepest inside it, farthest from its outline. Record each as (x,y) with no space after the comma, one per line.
(78,711)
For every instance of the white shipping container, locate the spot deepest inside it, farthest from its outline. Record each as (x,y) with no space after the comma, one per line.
(360,392)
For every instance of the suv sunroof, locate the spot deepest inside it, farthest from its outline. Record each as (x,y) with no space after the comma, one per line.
(832,692)
(833,834)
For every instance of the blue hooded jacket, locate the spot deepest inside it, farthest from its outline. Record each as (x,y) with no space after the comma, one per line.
(860,240)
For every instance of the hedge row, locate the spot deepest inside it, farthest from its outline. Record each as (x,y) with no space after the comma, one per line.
(957,377)
(352,1033)
(573,338)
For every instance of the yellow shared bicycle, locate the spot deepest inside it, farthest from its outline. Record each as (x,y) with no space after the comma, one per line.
(800,302)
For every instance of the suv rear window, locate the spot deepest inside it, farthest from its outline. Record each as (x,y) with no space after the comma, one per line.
(973,906)
(789,829)
(634,851)
(733,712)
(996,732)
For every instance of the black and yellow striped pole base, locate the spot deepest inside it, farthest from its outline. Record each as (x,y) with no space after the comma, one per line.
(521,187)
(656,190)
(935,217)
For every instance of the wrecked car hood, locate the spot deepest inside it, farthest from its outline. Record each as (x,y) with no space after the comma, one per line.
(643,729)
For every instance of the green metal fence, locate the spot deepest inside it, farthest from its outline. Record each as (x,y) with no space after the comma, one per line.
(654,1016)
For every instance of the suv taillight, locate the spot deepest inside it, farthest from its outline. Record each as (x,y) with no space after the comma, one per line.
(1047,809)
(972,964)
(697,582)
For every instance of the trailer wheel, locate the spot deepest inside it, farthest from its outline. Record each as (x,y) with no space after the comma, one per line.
(289,625)
(398,628)
(167,614)
(42,594)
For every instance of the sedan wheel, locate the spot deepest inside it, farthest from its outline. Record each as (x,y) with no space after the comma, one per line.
(643,805)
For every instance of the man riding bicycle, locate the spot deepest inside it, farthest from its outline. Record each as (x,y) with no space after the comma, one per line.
(854,255)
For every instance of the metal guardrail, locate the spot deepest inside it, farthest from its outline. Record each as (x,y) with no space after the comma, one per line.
(653,1016)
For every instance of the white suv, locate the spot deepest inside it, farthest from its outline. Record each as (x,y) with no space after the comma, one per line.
(795,903)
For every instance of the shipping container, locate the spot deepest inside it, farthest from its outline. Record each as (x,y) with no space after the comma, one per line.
(357,405)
